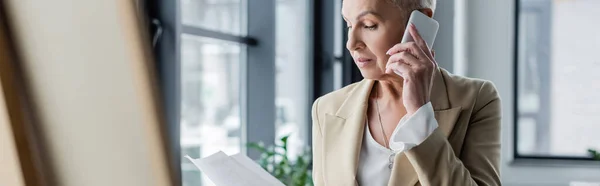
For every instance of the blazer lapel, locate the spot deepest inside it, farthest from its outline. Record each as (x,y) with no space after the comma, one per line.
(445,115)
(403,173)
(344,131)
(447,118)
(343,139)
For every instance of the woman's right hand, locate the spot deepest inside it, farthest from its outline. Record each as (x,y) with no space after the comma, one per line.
(414,62)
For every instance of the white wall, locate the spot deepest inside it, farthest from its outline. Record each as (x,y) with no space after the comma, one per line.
(489,52)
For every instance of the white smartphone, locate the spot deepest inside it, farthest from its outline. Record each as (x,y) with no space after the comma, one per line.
(426,26)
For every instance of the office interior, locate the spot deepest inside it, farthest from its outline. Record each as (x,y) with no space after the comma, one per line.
(118,92)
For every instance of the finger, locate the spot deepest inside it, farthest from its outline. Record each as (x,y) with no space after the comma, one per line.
(411,47)
(400,68)
(397,48)
(417,56)
(407,58)
(433,61)
(419,40)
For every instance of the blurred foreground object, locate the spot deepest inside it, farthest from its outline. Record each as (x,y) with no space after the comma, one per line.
(89,78)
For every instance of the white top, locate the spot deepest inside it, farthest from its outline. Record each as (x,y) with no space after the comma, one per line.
(375,162)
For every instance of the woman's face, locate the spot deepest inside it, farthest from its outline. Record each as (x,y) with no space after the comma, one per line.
(374,26)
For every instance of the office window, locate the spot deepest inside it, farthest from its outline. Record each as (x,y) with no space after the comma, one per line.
(210,109)
(557,101)
(224,16)
(210,78)
(239,84)
(292,74)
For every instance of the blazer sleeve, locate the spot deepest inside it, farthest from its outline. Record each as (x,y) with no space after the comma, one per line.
(478,163)
(317,144)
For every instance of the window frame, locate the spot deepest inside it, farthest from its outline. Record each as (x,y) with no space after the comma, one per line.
(167,33)
(257,67)
(517,157)
(257,88)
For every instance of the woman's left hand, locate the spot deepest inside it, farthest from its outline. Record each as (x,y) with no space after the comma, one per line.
(415,63)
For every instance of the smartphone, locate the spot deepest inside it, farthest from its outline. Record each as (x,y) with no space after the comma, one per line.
(426,26)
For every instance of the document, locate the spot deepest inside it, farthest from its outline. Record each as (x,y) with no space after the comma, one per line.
(235,170)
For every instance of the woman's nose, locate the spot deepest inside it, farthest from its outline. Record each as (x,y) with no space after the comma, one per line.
(354,41)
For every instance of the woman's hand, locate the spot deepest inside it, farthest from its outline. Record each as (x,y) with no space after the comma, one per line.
(415,63)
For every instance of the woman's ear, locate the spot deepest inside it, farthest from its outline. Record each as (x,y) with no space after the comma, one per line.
(427,11)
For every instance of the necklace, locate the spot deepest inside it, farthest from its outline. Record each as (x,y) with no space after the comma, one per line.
(385,139)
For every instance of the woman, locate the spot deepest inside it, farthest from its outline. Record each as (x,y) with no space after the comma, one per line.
(408,121)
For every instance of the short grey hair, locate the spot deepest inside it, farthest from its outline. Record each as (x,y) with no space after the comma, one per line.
(415,4)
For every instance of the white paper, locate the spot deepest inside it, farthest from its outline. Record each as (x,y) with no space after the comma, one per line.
(224,170)
(255,168)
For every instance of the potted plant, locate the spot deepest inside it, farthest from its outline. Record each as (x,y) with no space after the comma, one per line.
(275,160)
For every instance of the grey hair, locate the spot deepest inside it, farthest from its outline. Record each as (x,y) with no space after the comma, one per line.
(415,4)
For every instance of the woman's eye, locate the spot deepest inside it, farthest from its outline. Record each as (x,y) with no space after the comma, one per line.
(372,27)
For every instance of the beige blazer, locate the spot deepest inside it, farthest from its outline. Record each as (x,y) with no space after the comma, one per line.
(464,150)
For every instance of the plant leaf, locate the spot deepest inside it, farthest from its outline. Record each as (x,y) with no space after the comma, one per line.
(258,146)
(274,159)
(594,153)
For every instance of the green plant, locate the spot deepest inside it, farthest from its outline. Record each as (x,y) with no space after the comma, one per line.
(594,153)
(275,160)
